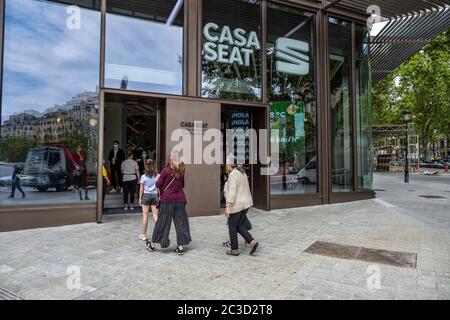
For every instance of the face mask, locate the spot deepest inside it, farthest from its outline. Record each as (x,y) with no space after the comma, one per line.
(116,146)
(144,155)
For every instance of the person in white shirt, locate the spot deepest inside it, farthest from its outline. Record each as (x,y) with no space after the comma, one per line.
(239,200)
(246,221)
(148,195)
(131,176)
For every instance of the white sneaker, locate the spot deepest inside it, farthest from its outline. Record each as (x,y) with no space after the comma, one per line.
(131,207)
(143,237)
(125,208)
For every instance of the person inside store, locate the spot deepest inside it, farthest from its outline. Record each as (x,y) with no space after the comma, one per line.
(152,153)
(116,157)
(131,177)
(106,182)
(142,159)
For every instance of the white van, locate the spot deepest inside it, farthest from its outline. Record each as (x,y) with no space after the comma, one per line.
(309,173)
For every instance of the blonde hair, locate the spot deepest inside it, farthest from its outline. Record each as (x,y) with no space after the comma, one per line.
(176,164)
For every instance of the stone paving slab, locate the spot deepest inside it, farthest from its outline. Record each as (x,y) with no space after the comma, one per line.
(114,264)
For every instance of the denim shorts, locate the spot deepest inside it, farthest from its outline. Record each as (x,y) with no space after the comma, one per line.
(149,199)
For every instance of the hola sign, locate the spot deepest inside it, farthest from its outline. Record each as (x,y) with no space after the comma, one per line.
(226,46)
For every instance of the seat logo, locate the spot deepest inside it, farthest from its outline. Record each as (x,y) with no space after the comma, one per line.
(291,56)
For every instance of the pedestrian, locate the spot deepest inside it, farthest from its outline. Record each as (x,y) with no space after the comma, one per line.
(172,206)
(80,172)
(15,182)
(131,176)
(246,222)
(239,200)
(106,182)
(148,195)
(152,153)
(142,161)
(116,157)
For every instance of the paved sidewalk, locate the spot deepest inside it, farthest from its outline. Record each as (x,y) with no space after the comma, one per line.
(409,197)
(113,264)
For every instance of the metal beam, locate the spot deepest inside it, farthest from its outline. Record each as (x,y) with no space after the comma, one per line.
(329,5)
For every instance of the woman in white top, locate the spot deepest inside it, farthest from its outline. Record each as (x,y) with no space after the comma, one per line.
(148,195)
(239,200)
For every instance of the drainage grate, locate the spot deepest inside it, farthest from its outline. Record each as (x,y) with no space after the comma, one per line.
(433,197)
(6,295)
(379,190)
(393,258)
(411,190)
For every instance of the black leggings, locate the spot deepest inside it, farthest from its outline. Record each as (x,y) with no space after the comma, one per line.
(236,224)
(14,186)
(129,187)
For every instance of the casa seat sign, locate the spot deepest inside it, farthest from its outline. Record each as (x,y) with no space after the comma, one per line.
(236,46)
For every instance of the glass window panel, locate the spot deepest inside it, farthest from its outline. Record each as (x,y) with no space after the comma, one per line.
(363,109)
(49,110)
(231,50)
(292,95)
(340,46)
(144,46)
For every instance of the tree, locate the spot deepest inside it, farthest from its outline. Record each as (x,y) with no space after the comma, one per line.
(15,149)
(422,85)
(75,139)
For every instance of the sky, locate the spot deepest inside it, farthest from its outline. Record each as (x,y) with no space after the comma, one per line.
(46,63)
(150,48)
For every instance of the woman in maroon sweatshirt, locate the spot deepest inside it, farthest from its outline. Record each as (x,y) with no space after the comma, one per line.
(172,206)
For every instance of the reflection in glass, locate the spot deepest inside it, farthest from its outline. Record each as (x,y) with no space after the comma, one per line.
(231,50)
(49,104)
(341,107)
(291,89)
(144,46)
(363,109)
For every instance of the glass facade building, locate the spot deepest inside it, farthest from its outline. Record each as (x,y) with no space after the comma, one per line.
(78,75)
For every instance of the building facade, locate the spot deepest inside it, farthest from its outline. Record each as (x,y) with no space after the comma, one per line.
(82,74)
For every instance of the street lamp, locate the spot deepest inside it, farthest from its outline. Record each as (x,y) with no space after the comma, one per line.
(407,119)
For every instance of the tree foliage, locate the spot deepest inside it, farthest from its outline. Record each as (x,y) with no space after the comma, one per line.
(15,149)
(422,85)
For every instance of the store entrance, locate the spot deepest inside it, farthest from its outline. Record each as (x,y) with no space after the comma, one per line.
(133,123)
(235,124)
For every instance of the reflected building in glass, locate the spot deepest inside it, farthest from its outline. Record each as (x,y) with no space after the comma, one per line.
(100,78)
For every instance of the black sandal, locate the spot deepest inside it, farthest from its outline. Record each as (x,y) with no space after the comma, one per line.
(149,245)
(255,246)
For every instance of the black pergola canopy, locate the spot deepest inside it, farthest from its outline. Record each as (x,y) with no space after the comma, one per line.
(411,24)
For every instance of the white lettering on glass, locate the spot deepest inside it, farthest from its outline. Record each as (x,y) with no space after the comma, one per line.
(228,46)
(207,33)
(291,56)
